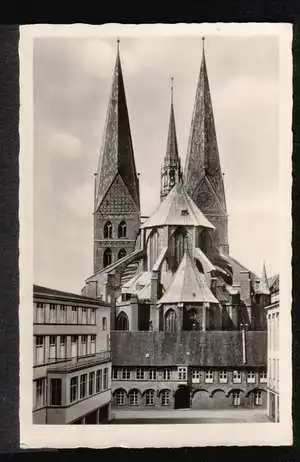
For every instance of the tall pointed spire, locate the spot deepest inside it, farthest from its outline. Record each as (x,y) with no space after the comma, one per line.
(116,156)
(263,288)
(203,176)
(171,168)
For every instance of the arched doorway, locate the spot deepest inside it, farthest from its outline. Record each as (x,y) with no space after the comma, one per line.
(182,397)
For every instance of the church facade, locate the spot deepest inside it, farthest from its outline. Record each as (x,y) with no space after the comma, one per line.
(188,320)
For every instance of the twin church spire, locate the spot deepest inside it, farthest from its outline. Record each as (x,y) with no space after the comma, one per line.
(116,180)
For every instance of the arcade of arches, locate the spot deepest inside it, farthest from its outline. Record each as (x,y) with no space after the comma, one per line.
(183,397)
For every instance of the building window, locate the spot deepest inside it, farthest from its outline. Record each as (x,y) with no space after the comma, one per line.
(149,397)
(107,230)
(170,321)
(52,348)
(120,397)
(133,397)
(237,377)
(104,324)
(167,374)
(55,392)
(251,377)
(105,379)
(40,313)
(40,349)
(40,392)
(140,374)
(62,347)
(196,376)
(83,379)
(121,254)
(258,398)
(74,346)
(263,377)
(93,344)
(223,377)
(73,389)
(182,373)
(165,398)
(84,316)
(122,321)
(63,314)
(83,345)
(74,315)
(52,317)
(99,380)
(152,374)
(93,316)
(122,230)
(107,257)
(115,373)
(126,374)
(91,383)
(236,401)
(209,376)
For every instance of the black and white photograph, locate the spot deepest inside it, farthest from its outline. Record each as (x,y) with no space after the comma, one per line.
(155,235)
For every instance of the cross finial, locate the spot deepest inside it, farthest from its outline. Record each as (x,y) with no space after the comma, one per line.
(172,88)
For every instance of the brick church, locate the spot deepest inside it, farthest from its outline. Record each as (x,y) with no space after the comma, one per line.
(188,321)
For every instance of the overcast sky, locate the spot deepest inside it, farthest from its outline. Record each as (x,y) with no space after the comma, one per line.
(72,81)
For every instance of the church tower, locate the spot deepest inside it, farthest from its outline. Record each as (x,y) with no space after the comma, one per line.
(117,197)
(171,168)
(203,174)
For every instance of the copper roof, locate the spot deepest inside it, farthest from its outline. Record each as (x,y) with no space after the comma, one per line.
(177,209)
(116,154)
(188,285)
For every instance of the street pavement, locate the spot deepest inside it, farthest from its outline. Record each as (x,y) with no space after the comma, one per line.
(179,416)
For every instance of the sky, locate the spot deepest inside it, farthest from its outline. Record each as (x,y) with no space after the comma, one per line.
(72,82)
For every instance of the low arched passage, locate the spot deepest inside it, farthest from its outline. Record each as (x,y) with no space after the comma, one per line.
(256,398)
(182,397)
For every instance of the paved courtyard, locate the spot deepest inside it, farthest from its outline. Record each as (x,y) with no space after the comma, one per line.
(179,416)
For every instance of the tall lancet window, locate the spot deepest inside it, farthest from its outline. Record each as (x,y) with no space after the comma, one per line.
(170,321)
(177,247)
(122,230)
(153,249)
(107,257)
(107,230)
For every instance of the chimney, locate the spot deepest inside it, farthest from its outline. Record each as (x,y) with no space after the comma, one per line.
(244,328)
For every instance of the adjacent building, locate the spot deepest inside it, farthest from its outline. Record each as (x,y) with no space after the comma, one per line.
(272,313)
(71,358)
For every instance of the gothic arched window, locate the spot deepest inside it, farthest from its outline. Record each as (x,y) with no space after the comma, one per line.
(107,230)
(122,229)
(107,257)
(121,254)
(153,249)
(177,247)
(122,321)
(170,321)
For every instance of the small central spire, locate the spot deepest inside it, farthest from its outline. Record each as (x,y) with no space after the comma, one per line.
(172,89)
(118,45)
(203,40)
